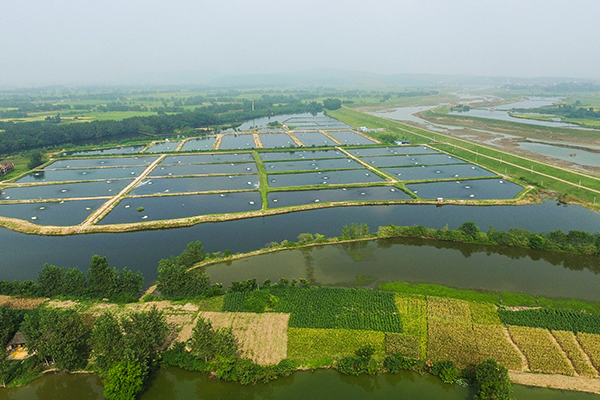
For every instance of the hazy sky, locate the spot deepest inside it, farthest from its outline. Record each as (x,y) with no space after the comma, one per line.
(110,41)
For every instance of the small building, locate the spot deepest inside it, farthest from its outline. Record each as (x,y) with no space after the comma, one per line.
(16,342)
(401,142)
(6,167)
(363,129)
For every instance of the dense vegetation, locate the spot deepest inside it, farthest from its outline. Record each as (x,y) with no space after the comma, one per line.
(553,319)
(326,308)
(568,111)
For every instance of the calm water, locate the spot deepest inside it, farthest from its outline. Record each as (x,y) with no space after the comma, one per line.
(200,184)
(350,138)
(169,207)
(271,140)
(204,169)
(302,165)
(102,162)
(472,189)
(438,172)
(324,178)
(429,159)
(314,139)
(205,143)
(52,213)
(207,158)
(65,190)
(294,198)
(177,384)
(24,255)
(581,157)
(106,152)
(235,142)
(164,147)
(464,266)
(387,151)
(304,154)
(61,175)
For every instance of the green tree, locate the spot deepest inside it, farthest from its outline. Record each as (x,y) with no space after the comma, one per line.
(201,341)
(130,285)
(225,344)
(35,159)
(107,341)
(61,281)
(175,280)
(193,254)
(144,334)
(124,381)
(470,230)
(332,104)
(103,280)
(493,381)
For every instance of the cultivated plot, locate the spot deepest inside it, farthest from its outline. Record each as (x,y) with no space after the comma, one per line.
(191,185)
(204,169)
(101,162)
(237,142)
(429,172)
(393,161)
(65,190)
(63,213)
(107,152)
(300,155)
(316,139)
(296,198)
(273,140)
(171,207)
(88,174)
(478,189)
(207,158)
(350,138)
(164,147)
(324,178)
(204,143)
(393,150)
(315,164)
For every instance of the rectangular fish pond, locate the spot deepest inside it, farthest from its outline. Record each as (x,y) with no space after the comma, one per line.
(316,164)
(429,159)
(237,142)
(438,172)
(324,178)
(102,162)
(350,138)
(392,150)
(316,139)
(273,140)
(63,213)
(163,147)
(301,154)
(170,207)
(207,158)
(204,169)
(477,189)
(199,184)
(88,174)
(107,152)
(204,143)
(300,197)
(65,190)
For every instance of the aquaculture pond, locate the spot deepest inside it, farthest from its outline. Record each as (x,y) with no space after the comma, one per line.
(438,172)
(316,139)
(199,184)
(235,142)
(88,174)
(106,152)
(299,197)
(481,189)
(61,213)
(204,143)
(576,156)
(164,147)
(24,255)
(324,178)
(303,154)
(207,158)
(177,384)
(204,169)
(169,207)
(65,190)
(101,162)
(393,161)
(387,151)
(302,165)
(350,138)
(272,140)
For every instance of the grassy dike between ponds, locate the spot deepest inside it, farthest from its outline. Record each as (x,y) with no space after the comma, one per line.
(573,186)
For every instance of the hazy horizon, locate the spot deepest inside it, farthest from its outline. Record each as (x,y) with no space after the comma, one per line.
(110,42)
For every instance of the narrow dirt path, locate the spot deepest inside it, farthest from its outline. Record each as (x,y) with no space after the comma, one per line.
(367,165)
(510,340)
(295,139)
(257,141)
(334,140)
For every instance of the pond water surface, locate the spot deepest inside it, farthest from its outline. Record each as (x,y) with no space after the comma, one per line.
(438,172)
(304,154)
(207,158)
(482,189)
(271,140)
(65,190)
(343,177)
(314,139)
(204,169)
(350,138)
(388,151)
(106,152)
(314,164)
(164,147)
(199,184)
(60,175)
(52,213)
(236,142)
(429,159)
(101,162)
(295,198)
(205,143)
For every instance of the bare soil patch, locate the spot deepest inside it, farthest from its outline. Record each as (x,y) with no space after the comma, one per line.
(562,382)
